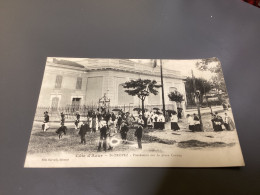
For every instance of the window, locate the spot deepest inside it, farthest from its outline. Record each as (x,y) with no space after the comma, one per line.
(54,103)
(76,103)
(58,82)
(79,83)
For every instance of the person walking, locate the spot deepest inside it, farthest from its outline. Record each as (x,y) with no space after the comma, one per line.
(77,120)
(139,131)
(174,122)
(123,132)
(82,132)
(46,121)
(161,121)
(103,136)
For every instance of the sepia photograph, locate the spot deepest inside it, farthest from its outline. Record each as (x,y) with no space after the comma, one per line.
(97,112)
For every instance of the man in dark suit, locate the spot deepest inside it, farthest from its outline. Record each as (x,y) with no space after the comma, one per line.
(82,132)
(139,131)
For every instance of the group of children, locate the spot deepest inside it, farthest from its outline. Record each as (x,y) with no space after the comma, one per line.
(108,125)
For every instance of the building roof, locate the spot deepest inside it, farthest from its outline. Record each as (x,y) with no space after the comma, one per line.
(125,65)
(68,63)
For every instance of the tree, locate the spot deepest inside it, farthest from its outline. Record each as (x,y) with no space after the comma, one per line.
(141,88)
(176,96)
(202,85)
(213,65)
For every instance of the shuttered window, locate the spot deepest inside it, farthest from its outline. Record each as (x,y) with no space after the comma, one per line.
(79,83)
(58,82)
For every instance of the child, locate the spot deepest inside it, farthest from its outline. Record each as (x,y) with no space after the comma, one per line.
(190,122)
(77,120)
(123,132)
(82,132)
(45,125)
(174,122)
(150,122)
(62,130)
(103,136)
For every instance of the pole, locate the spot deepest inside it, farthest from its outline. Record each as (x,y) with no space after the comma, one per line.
(207,98)
(162,89)
(198,104)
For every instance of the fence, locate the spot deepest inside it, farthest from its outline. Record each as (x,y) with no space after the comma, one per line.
(70,110)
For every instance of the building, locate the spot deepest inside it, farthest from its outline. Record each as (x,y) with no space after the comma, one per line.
(84,82)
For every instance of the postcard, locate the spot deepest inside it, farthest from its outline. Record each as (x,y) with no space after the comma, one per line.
(98,112)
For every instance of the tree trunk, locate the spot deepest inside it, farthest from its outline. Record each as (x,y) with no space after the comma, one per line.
(143,108)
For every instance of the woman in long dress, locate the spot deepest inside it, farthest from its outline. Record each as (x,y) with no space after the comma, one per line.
(218,122)
(174,122)
(197,126)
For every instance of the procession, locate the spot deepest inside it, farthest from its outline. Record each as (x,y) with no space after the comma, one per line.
(112,127)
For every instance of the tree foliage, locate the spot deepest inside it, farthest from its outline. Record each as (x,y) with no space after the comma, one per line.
(201,84)
(141,88)
(218,78)
(176,96)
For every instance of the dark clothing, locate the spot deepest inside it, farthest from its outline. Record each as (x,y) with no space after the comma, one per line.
(84,129)
(83,139)
(62,121)
(78,116)
(113,117)
(139,135)
(103,138)
(124,131)
(139,142)
(161,125)
(191,127)
(139,132)
(179,113)
(174,126)
(218,123)
(46,118)
(62,129)
(197,126)
(82,132)
(94,124)
(103,132)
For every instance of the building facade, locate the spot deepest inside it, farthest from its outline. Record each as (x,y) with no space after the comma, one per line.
(85,82)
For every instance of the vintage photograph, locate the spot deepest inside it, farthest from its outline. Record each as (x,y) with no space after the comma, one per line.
(97,112)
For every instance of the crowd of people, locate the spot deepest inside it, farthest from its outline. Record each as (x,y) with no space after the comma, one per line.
(110,123)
